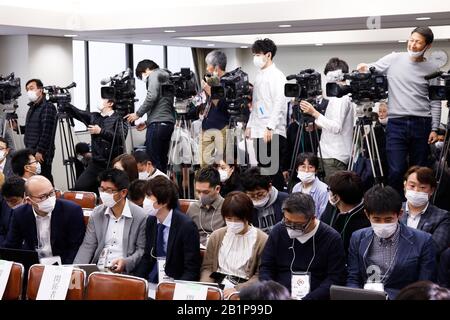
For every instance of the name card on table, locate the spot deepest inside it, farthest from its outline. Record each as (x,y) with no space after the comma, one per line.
(190,291)
(54,283)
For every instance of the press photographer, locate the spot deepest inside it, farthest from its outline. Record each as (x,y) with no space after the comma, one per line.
(108,131)
(336,124)
(413,118)
(160,113)
(9,92)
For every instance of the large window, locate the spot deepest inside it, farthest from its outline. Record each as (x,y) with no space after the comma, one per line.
(79,76)
(179,57)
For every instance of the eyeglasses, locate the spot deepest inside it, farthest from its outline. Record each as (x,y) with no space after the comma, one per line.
(33,162)
(110,191)
(295,226)
(257,196)
(44,196)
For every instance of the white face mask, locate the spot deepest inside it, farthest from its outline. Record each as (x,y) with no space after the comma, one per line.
(100,106)
(294,234)
(384,230)
(144,77)
(261,203)
(148,207)
(416,198)
(47,205)
(223,175)
(32,95)
(414,54)
(306,177)
(332,199)
(108,199)
(259,61)
(235,227)
(383,121)
(37,168)
(143,175)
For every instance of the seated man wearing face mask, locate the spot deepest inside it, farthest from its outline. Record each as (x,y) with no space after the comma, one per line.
(145,166)
(115,235)
(419,212)
(206,212)
(303,254)
(105,128)
(13,191)
(307,165)
(5,157)
(53,227)
(24,164)
(389,255)
(266,199)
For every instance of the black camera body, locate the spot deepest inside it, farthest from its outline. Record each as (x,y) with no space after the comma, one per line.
(59,95)
(308,86)
(364,86)
(235,89)
(440,91)
(182,87)
(121,90)
(9,89)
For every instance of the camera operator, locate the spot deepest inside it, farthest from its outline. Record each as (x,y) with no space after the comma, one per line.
(267,121)
(413,118)
(106,140)
(216,117)
(336,124)
(160,113)
(39,126)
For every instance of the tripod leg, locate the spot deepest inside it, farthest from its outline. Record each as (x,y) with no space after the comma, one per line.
(292,168)
(355,141)
(377,154)
(442,162)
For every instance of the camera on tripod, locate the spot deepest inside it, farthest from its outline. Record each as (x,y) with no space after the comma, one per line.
(121,90)
(440,90)
(235,89)
(9,89)
(59,95)
(181,86)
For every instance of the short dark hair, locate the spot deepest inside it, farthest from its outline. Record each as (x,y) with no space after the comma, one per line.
(117,177)
(208,174)
(423,290)
(136,191)
(347,185)
(82,147)
(4,141)
(164,190)
(336,64)
(264,290)
(426,33)
(252,179)
(129,165)
(13,187)
(19,160)
(141,156)
(143,65)
(311,157)
(300,203)
(264,46)
(38,82)
(381,200)
(425,175)
(238,204)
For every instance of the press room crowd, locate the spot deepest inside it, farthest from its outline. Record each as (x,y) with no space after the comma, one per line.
(336,229)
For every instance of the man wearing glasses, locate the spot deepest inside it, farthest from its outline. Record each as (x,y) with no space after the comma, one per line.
(51,226)
(24,164)
(303,254)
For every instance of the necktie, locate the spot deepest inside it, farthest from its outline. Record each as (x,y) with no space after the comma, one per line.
(160,252)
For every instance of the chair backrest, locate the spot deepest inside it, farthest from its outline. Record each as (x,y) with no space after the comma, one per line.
(76,289)
(185,203)
(13,290)
(83,198)
(234,296)
(165,291)
(58,194)
(109,286)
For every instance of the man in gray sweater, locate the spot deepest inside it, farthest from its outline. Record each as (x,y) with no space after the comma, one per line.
(413,118)
(160,113)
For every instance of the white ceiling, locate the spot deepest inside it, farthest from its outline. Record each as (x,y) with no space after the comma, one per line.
(231,23)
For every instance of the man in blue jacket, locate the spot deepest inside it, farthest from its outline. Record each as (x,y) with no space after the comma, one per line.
(388,255)
(48,225)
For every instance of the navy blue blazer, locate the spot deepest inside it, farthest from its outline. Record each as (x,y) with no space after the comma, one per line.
(66,230)
(415,260)
(183,249)
(5,217)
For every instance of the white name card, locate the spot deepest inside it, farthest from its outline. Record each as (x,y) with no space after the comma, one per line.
(5,270)
(54,283)
(190,291)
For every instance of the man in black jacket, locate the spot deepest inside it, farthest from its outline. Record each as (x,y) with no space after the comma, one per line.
(40,127)
(108,130)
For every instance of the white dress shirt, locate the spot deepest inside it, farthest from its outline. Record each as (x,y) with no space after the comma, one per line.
(235,253)
(269,106)
(43,229)
(413,220)
(114,234)
(337,129)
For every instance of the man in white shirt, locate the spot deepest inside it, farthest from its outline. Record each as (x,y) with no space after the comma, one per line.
(337,123)
(267,122)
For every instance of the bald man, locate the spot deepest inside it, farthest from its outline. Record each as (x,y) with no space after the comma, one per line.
(51,226)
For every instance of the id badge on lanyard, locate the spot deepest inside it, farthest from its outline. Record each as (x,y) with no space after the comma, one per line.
(101,264)
(161,270)
(300,285)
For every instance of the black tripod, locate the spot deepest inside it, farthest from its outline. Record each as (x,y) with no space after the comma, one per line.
(10,118)
(235,134)
(119,124)
(443,163)
(364,142)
